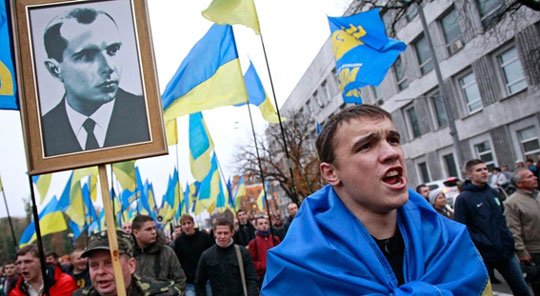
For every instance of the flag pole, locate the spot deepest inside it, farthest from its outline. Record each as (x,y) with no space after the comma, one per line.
(283,132)
(178,174)
(228,189)
(111,230)
(260,169)
(38,237)
(9,217)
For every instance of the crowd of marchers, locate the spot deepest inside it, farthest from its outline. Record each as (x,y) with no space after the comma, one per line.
(364,233)
(191,262)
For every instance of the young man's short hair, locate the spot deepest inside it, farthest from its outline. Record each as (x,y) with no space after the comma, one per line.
(222,221)
(472,163)
(32,249)
(139,221)
(186,217)
(260,217)
(420,187)
(324,142)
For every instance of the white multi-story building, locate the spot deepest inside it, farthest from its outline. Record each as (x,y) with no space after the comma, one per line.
(491,72)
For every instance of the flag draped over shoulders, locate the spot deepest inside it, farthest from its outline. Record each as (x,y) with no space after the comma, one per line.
(362,51)
(329,251)
(209,77)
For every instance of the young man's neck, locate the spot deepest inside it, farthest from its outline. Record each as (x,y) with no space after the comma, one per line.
(36,283)
(475,183)
(380,226)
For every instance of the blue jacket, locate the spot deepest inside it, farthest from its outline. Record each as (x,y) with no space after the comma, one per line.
(480,209)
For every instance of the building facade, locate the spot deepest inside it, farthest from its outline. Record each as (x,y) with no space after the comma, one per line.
(491,74)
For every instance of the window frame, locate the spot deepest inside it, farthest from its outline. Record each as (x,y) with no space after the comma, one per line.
(501,66)
(490,164)
(463,93)
(427,65)
(521,142)
(410,124)
(459,38)
(402,83)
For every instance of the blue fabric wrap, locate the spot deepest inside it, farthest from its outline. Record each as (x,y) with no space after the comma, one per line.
(327,251)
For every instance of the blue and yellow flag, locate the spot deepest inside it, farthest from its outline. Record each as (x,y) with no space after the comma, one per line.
(125,173)
(51,220)
(209,77)
(42,183)
(8,88)
(200,146)
(239,193)
(211,191)
(362,51)
(233,12)
(261,200)
(171,128)
(170,204)
(258,97)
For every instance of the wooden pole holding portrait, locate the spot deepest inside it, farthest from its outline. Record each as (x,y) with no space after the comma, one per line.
(74,115)
(111,231)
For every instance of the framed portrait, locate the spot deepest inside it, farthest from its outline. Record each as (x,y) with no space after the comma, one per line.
(89,90)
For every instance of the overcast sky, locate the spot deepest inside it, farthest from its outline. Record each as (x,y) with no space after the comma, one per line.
(293,32)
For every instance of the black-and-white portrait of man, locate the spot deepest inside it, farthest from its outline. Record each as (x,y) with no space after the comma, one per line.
(86,106)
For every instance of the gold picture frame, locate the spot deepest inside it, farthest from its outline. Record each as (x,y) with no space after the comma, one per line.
(86,59)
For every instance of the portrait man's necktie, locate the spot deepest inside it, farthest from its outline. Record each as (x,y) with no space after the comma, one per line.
(91,142)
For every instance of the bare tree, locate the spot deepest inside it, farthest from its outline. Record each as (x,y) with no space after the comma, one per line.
(300,134)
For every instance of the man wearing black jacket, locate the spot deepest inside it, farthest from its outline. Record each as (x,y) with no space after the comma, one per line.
(479,208)
(219,264)
(188,248)
(246,231)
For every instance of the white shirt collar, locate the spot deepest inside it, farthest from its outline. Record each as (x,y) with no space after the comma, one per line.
(102,117)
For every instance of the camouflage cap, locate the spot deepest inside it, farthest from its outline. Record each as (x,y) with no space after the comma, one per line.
(100,241)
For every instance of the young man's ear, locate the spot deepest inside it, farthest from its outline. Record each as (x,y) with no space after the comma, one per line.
(328,171)
(54,68)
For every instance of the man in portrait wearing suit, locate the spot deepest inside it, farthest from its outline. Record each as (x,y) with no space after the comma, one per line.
(84,52)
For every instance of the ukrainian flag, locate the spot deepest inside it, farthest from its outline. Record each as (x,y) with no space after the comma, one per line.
(51,220)
(209,77)
(257,96)
(233,12)
(211,191)
(240,192)
(200,146)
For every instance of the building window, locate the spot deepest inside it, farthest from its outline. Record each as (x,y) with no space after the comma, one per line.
(514,80)
(471,92)
(401,75)
(318,99)
(484,152)
(487,9)
(424,174)
(377,94)
(412,11)
(528,138)
(326,91)
(451,31)
(413,121)
(450,163)
(424,56)
(440,111)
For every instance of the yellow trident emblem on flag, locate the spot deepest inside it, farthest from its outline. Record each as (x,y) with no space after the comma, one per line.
(345,40)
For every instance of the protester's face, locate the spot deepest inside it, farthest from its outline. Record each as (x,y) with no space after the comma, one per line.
(91,65)
(223,235)
(478,174)
(10,270)
(440,201)
(242,218)
(147,234)
(528,180)
(79,263)
(262,224)
(51,260)
(29,266)
(188,227)
(102,273)
(126,227)
(424,191)
(368,172)
(292,209)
